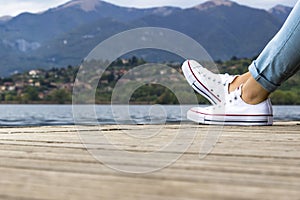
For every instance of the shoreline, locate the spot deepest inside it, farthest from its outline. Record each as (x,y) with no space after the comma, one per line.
(276,123)
(105,103)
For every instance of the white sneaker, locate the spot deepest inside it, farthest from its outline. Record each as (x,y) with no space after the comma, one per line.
(234,112)
(214,87)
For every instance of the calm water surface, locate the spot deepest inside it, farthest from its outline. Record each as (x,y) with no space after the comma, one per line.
(37,115)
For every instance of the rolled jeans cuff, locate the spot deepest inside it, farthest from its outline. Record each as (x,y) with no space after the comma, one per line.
(261,79)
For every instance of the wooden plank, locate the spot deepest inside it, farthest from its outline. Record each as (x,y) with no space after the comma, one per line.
(246,163)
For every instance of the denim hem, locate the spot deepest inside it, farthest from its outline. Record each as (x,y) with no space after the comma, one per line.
(266,84)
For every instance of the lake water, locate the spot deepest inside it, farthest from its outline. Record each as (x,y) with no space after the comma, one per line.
(37,115)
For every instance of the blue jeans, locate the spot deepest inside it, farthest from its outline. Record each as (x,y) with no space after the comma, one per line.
(281,57)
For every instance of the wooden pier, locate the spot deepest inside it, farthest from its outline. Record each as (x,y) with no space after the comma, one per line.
(50,163)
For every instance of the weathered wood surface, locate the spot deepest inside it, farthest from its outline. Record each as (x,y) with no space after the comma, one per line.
(246,163)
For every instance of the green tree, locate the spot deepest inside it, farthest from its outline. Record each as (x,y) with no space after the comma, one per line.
(167,98)
(31,93)
(10,96)
(61,96)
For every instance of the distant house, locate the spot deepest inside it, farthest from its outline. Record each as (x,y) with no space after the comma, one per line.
(67,86)
(41,95)
(7,86)
(3,88)
(11,88)
(20,84)
(37,84)
(125,61)
(34,73)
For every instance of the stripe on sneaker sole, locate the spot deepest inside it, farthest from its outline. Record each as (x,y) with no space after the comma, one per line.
(234,121)
(222,119)
(233,115)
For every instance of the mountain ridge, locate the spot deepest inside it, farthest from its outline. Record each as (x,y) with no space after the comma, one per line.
(213,3)
(86,5)
(281,12)
(52,38)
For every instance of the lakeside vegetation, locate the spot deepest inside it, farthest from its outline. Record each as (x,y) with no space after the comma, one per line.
(55,86)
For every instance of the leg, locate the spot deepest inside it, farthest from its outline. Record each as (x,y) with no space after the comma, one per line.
(278,61)
(281,57)
(253,93)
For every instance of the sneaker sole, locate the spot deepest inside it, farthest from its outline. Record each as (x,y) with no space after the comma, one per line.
(197,85)
(235,120)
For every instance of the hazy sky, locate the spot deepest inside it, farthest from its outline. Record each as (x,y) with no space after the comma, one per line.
(14,7)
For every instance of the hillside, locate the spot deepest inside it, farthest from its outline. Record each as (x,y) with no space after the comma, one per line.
(56,85)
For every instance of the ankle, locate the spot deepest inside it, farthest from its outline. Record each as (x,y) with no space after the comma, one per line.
(238,81)
(253,93)
(234,84)
(252,98)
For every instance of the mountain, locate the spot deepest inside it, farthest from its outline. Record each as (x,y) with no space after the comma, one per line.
(214,3)
(223,27)
(29,40)
(66,34)
(5,18)
(280,12)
